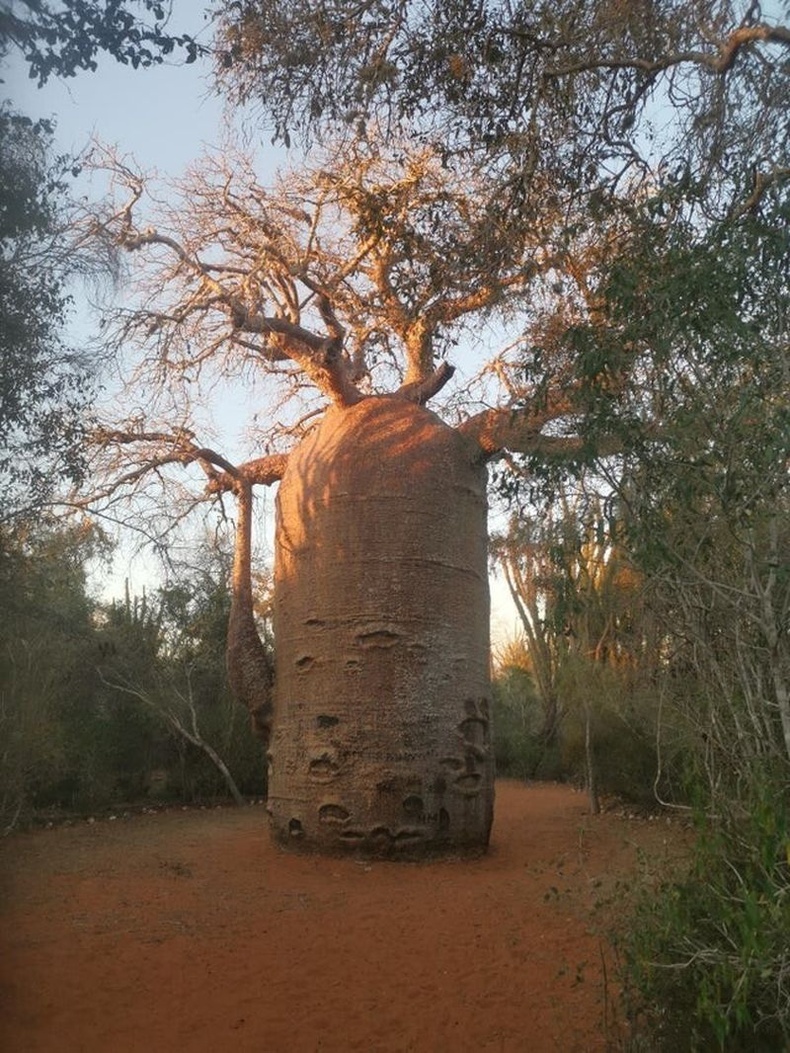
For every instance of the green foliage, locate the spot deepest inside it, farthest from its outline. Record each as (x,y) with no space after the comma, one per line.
(591,648)
(622,708)
(72,736)
(45,386)
(706,506)
(62,39)
(481,70)
(694,331)
(166,664)
(45,650)
(521,748)
(623,711)
(707,959)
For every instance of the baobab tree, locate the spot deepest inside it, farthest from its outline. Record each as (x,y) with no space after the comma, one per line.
(485,163)
(345,288)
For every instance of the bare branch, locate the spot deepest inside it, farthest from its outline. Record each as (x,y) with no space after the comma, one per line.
(318,356)
(263,471)
(423,390)
(157,449)
(518,428)
(717,62)
(155,700)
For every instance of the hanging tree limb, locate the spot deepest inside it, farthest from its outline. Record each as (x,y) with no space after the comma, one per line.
(180,448)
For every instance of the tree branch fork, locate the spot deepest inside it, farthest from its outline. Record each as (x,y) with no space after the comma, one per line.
(270,275)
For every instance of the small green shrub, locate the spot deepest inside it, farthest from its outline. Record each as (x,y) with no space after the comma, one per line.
(623,714)
(624,755)
(707,958)
(521,750)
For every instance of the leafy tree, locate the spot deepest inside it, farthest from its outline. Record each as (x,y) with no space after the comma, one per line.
(704,494)
(521,749)
(45,385)
(164,669)
(592,644)
(62,39)
(687,356)
(560,102)
(73,676)
(46,667)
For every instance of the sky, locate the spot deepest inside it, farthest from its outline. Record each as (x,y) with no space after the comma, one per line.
(162,115)
(165,117)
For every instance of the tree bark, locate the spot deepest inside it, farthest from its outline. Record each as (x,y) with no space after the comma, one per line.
(381,740)
(250,671)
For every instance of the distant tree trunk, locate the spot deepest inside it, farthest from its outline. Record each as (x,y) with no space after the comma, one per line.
(525,585)
(381,733)
(250,671)
(589,761)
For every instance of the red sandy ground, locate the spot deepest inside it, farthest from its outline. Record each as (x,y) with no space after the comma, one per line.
(188,931)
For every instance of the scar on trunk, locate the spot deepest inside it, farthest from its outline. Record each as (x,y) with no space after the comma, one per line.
(324,767)
(378,638)
(333,813)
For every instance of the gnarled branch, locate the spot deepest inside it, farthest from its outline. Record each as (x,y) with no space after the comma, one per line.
(516,428)
(422,390)
(320,357)
(716,62)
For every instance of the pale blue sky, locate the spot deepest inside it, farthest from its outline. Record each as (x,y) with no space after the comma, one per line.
(162,115)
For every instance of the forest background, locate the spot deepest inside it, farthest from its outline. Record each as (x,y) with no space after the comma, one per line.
(649,569)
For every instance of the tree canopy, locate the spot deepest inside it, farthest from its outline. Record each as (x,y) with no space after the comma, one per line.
(348,277)
(556,101)
(485,165)
(63,39)
(45,385)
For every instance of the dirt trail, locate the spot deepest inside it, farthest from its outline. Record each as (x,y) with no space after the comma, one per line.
(189,931)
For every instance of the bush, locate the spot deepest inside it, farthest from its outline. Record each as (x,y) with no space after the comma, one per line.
(707,958)
(521,748)
(521,753)
(623,714)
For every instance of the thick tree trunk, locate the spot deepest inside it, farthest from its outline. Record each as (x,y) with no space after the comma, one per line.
(381,739)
